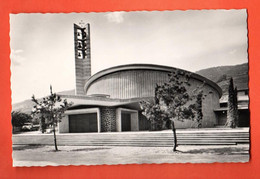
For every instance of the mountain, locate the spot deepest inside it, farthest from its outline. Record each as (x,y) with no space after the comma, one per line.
(26,106)
(222,74)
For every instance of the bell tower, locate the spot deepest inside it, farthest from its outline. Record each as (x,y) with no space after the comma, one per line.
(82,56)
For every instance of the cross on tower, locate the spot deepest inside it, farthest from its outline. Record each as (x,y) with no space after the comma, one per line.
(82,24)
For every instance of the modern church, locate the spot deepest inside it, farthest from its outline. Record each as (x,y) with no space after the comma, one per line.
(108,101)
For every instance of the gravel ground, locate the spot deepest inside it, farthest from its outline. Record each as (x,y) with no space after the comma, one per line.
(40,155)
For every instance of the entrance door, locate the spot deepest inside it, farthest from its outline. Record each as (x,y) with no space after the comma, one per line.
(83,123)
(126,121)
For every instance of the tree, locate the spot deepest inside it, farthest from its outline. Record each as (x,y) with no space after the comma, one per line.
(51,109)
(173,102)
(19,118)
(232,112)
(41,121)
(198,107)
(236,107)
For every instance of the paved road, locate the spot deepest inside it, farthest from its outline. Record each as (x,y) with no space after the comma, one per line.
(40,155)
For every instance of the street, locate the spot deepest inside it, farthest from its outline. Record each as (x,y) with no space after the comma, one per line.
(42,155)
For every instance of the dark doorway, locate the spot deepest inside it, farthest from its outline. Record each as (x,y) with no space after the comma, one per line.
(222,118)
(244,118)
(83,123)
(126,121)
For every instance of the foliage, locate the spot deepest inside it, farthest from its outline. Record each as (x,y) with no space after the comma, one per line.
(50,110)
(232,113)
(154,114)
(19,118)
(198,107)
(174,102)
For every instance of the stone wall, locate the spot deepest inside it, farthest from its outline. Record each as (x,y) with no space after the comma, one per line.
(108,119)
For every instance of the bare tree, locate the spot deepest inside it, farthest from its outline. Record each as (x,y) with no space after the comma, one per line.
(51,109)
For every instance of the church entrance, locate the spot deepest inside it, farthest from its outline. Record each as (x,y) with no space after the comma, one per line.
(80,123)
(126,121)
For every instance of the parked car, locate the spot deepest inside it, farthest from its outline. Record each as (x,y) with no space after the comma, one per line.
(27,127)
(36,127)
(30,127)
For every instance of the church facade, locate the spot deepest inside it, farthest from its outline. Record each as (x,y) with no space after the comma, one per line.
(109,100)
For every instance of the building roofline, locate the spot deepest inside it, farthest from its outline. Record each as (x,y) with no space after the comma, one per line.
(240,107)
(148,67)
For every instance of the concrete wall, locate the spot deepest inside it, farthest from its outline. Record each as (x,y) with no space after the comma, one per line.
(64,124)
(108,119)
(128,84)
(82,65)
(134,83)
(141,83)
(210,103)
(134,121)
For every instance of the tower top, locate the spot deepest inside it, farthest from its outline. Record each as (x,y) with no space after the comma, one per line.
(82,55)
(82,24)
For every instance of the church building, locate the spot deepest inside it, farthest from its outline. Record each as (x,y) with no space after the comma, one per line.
(108,101)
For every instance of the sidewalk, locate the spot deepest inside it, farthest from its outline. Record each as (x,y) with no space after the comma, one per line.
(190,130)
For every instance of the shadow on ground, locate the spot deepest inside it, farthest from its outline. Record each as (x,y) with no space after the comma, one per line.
(87,149)
(27,147)
(43,148)
(217,151)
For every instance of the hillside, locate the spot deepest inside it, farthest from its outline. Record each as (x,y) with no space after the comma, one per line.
(222,74)
(26,106)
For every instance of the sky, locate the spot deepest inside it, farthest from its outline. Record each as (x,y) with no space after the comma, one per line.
(42,45)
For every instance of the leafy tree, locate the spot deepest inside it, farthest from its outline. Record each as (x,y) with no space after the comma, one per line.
(173,102)
(154,114)
(51,109)
(19,118)
(39,119)
(232,113)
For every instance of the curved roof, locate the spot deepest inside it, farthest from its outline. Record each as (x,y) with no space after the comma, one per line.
(148,67)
